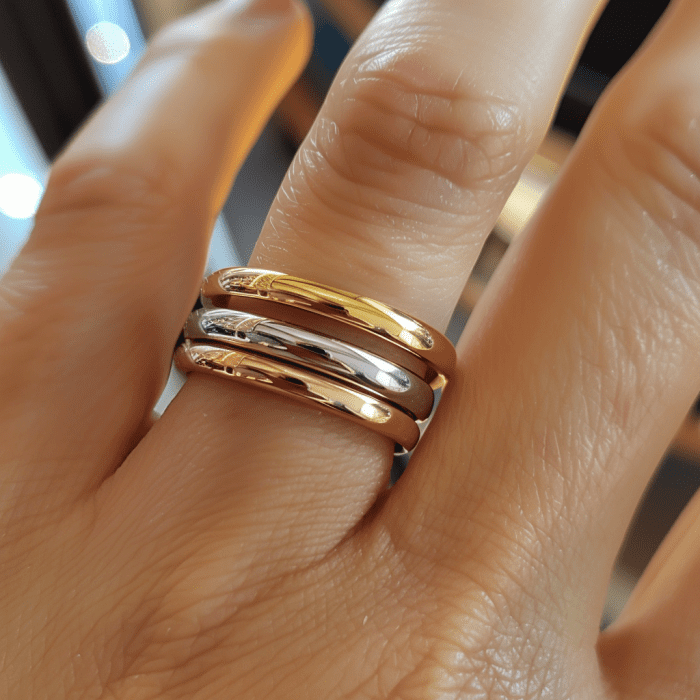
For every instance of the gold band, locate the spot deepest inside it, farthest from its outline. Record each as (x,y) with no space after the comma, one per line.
(304,385)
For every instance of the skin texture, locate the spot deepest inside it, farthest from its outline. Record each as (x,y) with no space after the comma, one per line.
(246,547)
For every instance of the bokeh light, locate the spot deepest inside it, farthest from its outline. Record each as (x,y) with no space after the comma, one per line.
(107,42)
(19,195)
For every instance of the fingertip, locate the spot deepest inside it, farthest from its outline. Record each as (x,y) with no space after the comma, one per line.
(305,26)
(294,19)
(254,18)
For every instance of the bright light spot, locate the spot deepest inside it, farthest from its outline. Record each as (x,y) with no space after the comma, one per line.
(19,195)
(107,42)
(377,414)
(396,380)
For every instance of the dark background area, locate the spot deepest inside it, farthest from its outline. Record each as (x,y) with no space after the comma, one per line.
(47,67)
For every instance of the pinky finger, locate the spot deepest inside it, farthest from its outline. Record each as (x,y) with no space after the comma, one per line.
(652,649)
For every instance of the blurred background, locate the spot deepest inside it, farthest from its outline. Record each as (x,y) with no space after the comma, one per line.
(60,58)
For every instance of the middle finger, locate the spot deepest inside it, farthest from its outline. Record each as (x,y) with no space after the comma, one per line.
(424,134)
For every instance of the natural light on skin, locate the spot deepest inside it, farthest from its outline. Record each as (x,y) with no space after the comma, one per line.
(19,195)
(107,42)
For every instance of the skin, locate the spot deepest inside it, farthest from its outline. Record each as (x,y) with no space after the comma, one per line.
(246,547)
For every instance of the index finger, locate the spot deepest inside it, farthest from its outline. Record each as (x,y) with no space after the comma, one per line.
(91,309)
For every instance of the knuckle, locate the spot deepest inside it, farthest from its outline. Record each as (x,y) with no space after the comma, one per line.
(648,152)
(132,191)
(448,126)
(100,226)
(111,213)
(482,648)
(103,222)
(660,144)
(493,647)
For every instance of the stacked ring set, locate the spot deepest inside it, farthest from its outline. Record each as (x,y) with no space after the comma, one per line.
(337,351)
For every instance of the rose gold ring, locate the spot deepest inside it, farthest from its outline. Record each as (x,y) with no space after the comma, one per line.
(303,385)
(341,352)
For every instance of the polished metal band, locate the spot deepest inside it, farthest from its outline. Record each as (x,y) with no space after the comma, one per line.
(342,352)
(302,384)
(359,368)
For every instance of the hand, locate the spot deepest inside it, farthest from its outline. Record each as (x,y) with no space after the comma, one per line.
(244,546)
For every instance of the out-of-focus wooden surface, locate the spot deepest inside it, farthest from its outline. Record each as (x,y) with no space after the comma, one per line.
(352,16)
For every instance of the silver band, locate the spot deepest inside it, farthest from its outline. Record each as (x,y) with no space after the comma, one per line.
(334,358)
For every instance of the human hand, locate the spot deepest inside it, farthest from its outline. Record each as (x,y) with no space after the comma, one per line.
(244,546)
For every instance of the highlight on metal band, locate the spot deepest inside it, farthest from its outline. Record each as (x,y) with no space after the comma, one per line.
(373,313)
(328,356)
(302,384)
